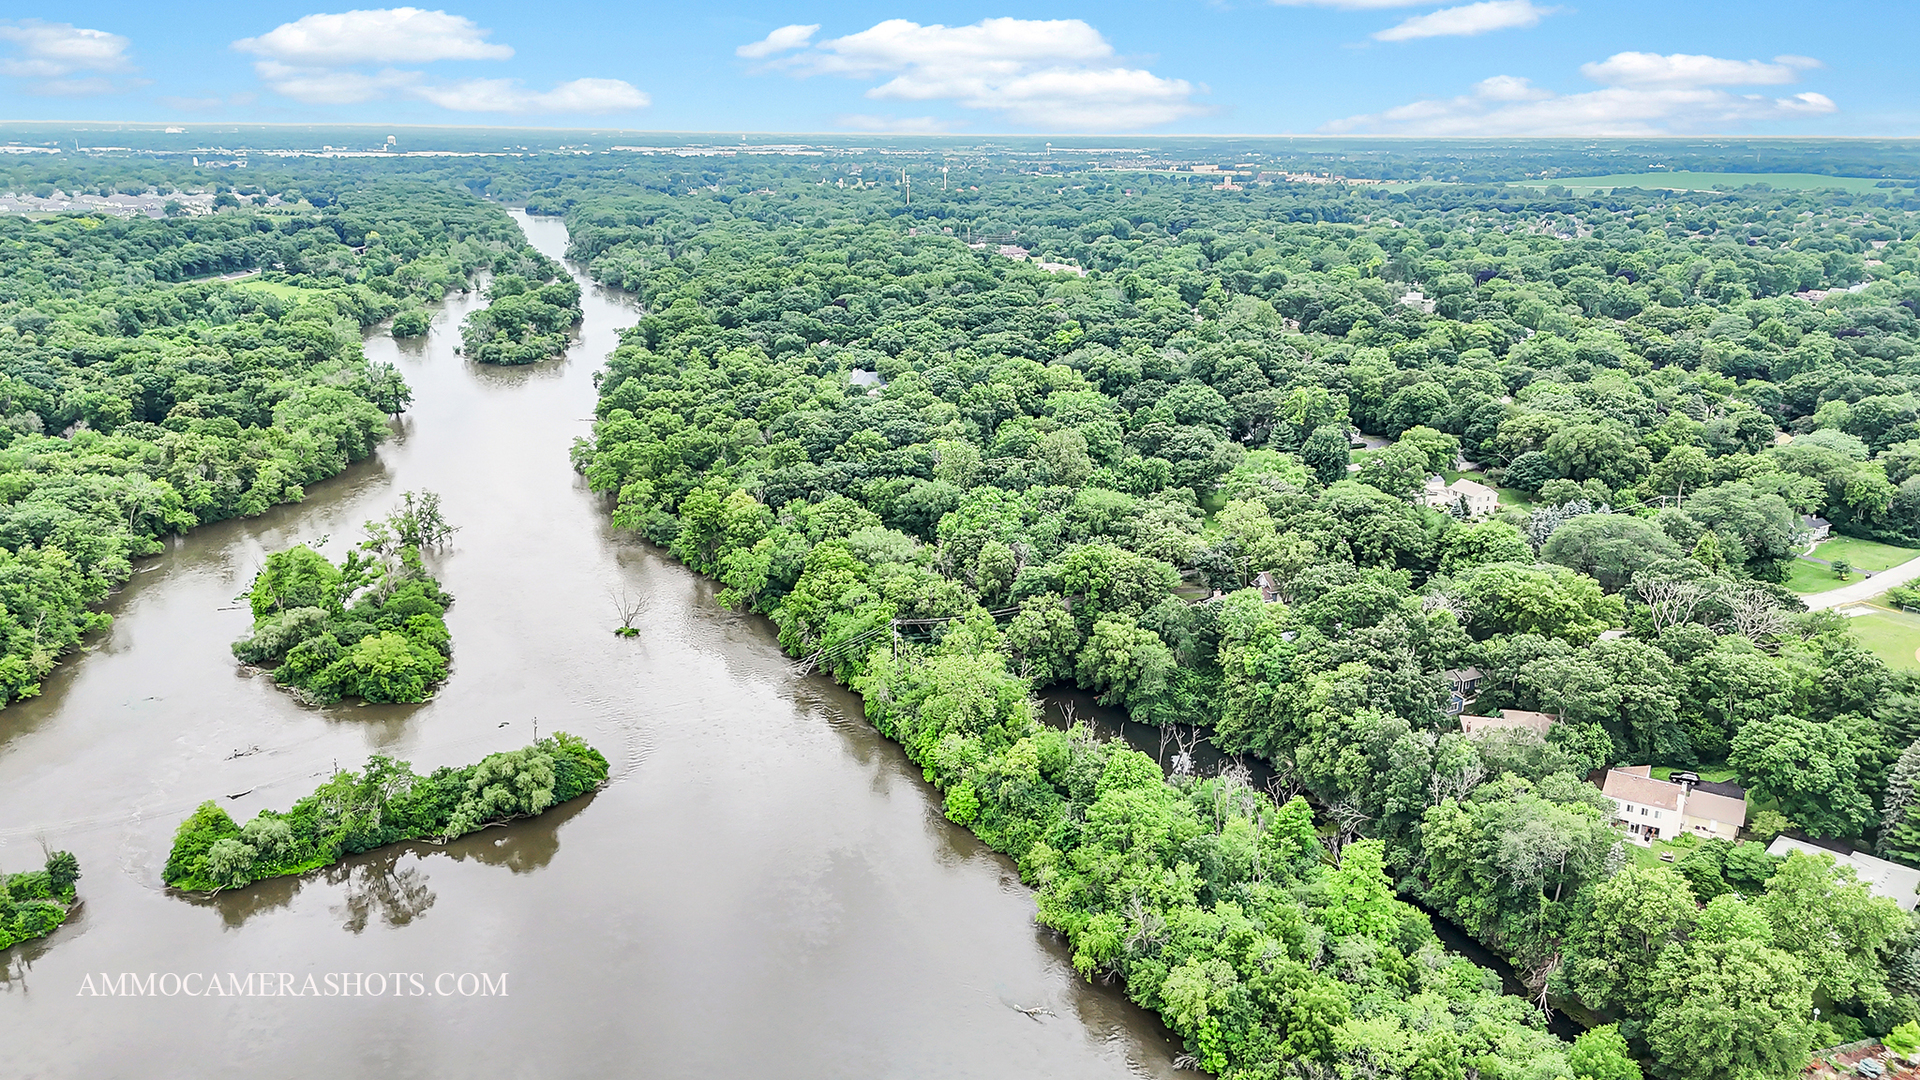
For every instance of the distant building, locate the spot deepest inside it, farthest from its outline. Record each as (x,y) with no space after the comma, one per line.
(1538,722)
(869,379)
(1901,884)
(1479,500)
(1269,588)
(1651,809)
(1817,528)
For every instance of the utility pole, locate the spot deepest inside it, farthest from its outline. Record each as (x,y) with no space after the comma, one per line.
(943,178)
(907,183)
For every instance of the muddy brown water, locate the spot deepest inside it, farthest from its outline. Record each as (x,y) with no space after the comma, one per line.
(766,889)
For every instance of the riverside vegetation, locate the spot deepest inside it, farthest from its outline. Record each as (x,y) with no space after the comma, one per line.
(139,399)
(385,803)
(524,321)
(1060,470)
(372,627)
(1046,470)
(34,904)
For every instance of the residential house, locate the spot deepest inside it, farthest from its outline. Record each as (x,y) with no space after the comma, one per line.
(1537,722)
(1901,884)
(1269,588)
(1817,528)
(1466,680)
(1651,809)
(1478,500)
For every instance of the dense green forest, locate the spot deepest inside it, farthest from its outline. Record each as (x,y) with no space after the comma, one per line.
(1068,468)
(384,803)
(954,477)
(33,904)
(524,321)
(372,627)
(141,393)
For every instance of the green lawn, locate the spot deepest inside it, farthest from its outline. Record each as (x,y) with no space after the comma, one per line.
(1863,554)
(1893,636)
(1811,577)
(1650,855)
(277,288)
(1697,181)
(1711,773)
(1808,576)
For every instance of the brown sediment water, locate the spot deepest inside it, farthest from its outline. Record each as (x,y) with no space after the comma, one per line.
(766,889)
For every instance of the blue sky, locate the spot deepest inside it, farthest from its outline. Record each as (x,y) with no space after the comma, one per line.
(1469,67)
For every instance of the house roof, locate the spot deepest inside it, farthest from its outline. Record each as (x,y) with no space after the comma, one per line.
(1508,718)
(1635,786)
(1473,489)
(1464,674)
(1721,787)
(1711,807)
(1897,883)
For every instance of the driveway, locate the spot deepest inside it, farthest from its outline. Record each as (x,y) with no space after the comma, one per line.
(1865,588)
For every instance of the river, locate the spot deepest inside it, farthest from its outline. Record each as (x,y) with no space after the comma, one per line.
(767,887)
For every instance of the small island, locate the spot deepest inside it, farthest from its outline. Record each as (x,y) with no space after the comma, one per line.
(385,803)
(526,317)
(372,627)
(34,904)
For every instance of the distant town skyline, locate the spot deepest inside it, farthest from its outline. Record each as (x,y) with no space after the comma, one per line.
(1502,68)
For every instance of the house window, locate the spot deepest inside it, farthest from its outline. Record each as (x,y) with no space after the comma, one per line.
(1643,811)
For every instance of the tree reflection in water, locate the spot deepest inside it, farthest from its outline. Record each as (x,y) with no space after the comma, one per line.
(389,881)
(399,894)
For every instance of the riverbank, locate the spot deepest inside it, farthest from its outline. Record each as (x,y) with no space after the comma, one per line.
(695,918)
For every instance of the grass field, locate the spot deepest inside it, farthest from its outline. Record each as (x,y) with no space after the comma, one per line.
(277,288)
(1811,577)
(1693,181)
(1863,554)
(1893,636)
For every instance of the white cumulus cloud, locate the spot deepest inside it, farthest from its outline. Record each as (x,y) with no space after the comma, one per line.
(328,86)
(383,35)
(1056,73)
(1680,70)
(63,59)
(781,40)
(1467,20)
(348,57)
(508,96)
(1643,94)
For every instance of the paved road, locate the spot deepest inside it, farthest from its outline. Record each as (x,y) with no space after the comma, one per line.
(1865,588)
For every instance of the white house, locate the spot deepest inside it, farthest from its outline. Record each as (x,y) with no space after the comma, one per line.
(1901,884)
(1651,809)
(1478,499)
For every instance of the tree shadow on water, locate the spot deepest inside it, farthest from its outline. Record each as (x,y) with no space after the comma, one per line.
(391,883)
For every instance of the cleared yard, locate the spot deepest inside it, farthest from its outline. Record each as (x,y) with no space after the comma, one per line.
(1863,554)
(1893,636)
(1808,576)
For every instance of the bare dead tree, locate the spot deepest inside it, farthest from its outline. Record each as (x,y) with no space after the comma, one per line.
(1756,616)
(1286,782)
(628,607)
(1670,602)
(1347,820)
(1438,600)
(1183,745)
(1441,787)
